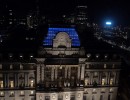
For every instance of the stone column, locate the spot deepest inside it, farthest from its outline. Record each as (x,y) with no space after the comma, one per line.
(82,71)
(56,72)
(66,72)
(79,72)
(52,74)
(42,72)
(38,73)
(69,72)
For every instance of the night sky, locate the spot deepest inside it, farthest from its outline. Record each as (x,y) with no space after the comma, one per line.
(98,10)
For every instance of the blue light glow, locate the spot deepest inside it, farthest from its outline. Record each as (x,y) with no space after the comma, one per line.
(108,23)
(52,32)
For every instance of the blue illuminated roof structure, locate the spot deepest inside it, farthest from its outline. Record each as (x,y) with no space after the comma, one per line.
(52,32)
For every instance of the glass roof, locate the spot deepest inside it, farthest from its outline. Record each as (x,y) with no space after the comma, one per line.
(52,32)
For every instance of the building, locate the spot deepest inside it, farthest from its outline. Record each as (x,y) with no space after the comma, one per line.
(61,70)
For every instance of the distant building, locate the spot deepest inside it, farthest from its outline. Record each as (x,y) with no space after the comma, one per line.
(81,15)
(61,70)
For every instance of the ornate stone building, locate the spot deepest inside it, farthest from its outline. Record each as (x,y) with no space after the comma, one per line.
(61,70)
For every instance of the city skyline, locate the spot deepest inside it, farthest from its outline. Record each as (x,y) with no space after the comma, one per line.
(98,11)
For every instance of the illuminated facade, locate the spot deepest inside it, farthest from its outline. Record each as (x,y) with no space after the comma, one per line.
(62,70)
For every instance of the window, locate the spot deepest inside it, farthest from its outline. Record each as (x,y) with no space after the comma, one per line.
(11,84)
(1,84)
(21,93)
(31,92)
(66,96)
(111,81)
(21,66)
(53,96)
(111,89)
(94,90)
(47,98)
(95,74)
(31,83)
(79,95)
(103,90)
(12,93)
(103,81)
(105,65)
(11,66)
(2,93)
(86,82)
(40,97)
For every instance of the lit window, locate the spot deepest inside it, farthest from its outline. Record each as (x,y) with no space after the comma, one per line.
(32,92)
(105,65)
(111,89)
(12,93)
(21,92)
(94,90)
(31,83)
(66,96)
(31,56)
(111,81)
(103,81)
(86,82)
(11,66)
(40,97)
(21,66)
(102,90)
(11,84)
(97,55)
(53,96)
(10,22)
(89,55)
(1,93)
(1,84)
(79,95)
(95,74)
